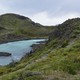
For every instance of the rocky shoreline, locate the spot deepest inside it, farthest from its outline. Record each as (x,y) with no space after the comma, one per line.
(37,46)
(5,54)
(34,48)
(2,42)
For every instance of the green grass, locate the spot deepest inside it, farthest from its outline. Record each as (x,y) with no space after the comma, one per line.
(59,63)
(59,59)
(16,27)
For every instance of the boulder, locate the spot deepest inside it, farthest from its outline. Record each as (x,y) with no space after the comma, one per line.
(5,54)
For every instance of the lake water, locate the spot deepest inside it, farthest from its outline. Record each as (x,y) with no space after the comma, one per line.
(17,48)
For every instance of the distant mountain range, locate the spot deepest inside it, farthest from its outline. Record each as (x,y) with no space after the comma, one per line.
(14,27)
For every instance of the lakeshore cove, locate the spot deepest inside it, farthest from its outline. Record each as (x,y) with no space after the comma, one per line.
(17,49)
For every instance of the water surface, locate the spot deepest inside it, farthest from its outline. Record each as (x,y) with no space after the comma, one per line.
(17,48)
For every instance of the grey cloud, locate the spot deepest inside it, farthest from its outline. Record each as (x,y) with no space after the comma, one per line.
(54,8)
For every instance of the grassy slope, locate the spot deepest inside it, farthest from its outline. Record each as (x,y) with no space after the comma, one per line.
(59,59)
(20,27)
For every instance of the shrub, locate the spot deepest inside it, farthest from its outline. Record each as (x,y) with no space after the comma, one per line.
(65,43)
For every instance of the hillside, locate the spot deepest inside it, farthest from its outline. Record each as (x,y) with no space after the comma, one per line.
(58,59)
(16,27)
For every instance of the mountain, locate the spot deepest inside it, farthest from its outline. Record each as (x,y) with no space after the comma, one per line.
(58,59)
(16,27)
(69,29)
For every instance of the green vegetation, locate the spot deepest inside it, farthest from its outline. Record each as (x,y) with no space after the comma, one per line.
(17,27)
(58,59)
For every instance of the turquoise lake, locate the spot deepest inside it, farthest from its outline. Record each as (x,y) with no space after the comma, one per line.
(17,48)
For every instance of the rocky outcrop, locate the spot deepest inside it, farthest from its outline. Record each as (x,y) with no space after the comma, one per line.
(5,54)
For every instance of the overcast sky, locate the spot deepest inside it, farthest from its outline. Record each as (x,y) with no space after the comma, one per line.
(46,12)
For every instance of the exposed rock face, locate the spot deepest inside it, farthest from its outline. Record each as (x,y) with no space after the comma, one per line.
(5,54)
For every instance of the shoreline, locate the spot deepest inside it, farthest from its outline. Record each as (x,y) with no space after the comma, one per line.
(34,47)
(5,54)
(3,42)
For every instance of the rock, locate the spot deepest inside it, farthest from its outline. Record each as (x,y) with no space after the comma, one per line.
(36,46)
(5,54)
(28,74)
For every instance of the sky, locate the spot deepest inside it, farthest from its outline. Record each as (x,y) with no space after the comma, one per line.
(45,12)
